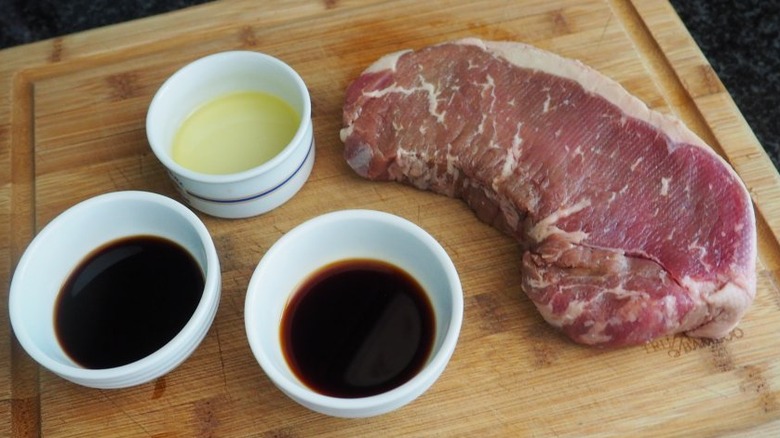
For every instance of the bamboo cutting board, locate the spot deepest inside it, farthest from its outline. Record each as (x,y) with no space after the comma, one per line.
(72,126)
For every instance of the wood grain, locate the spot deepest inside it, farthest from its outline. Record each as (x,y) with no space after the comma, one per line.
(72,126)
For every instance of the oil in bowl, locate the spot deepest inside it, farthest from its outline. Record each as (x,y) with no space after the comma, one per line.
(235,132)
(243,133)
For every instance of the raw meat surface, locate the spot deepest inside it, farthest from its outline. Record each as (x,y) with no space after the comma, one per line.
(631,227)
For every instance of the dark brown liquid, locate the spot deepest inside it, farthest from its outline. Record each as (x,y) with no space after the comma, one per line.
(127,300)
(358,328)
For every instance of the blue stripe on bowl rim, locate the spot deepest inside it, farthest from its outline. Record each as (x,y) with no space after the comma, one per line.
(261,194)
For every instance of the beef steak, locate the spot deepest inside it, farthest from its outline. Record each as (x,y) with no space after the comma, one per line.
(631,227)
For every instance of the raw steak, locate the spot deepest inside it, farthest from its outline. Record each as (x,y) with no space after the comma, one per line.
(631,227)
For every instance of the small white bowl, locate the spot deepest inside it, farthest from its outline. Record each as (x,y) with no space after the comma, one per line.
(338,236)
(57,249)
(250,192)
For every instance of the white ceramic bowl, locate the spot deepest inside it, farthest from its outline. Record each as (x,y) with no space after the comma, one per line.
(57,249)
(344,235)
(254,191)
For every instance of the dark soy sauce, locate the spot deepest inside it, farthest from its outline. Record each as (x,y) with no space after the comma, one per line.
(126,300)
(357,328)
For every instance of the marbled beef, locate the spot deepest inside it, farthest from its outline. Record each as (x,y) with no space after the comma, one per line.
(631,227)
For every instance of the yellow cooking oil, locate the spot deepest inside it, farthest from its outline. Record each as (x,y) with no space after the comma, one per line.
(235,132)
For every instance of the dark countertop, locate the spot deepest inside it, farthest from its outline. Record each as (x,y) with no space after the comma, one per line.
(741,39)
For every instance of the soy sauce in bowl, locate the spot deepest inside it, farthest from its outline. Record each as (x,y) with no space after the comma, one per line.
(126,300)
(357,328)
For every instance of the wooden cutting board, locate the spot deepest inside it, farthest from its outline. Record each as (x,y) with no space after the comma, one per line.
(72,126)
